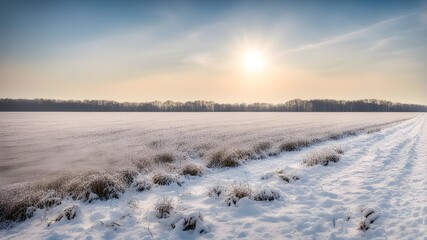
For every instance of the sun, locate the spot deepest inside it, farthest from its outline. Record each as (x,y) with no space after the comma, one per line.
(253,61)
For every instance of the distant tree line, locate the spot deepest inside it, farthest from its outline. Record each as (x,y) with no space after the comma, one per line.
(296,105)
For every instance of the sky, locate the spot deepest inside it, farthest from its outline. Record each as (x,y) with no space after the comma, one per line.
(223,51)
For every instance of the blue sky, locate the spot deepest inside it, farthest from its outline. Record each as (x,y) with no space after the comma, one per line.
(187,50)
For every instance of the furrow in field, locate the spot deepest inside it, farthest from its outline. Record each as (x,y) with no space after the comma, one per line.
(380,177)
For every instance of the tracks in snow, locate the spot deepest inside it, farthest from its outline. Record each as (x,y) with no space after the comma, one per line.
(385,171)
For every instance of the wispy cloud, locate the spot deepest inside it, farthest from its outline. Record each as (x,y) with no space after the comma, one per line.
(347,36)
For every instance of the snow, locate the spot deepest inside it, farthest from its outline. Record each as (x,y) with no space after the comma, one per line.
(381,179)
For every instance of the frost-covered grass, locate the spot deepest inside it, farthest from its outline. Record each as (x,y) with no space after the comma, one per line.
(142,184)
(369,216)
(266,195)
(323,156)
(41,151)
(191,169)
(236,192)
(164,207)
(162,178)
(281,174)
(69,213)
(216,191)
(19,201)
(164,158)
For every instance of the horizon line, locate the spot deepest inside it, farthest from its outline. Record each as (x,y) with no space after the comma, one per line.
(211,101)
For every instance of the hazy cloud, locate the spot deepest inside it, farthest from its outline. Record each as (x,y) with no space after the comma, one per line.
(347,36)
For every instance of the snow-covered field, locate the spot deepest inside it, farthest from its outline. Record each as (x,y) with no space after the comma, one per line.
(383,171)
(35,144)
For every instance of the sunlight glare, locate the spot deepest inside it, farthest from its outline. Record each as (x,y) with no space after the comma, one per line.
(253,61)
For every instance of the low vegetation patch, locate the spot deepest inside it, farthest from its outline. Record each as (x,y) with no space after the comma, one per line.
(338,150)
(50,199)
(68,213)
(294,145)
(322,157)
(192,169)
(216,191)
(102,186)
(262,147)
(266,195)
(19,203)
(142,184)
(193,221)
(221,159)
(237,192)
(164,207)
(281,174)
(20,209)
(161,178)
(288,177)
(164,158)
(369,216)
(374,130)
(143,164)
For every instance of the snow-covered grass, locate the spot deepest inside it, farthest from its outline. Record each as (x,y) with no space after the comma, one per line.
(162,178)
(192,169)
(236,192)
(69,213)
(323,156)
(294,201)
(164,207)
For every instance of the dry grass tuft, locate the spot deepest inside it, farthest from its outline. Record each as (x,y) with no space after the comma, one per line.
(369,216)
(321,157)
(164,158)
(50,199)
(164,207)
(266,195)
(237,192)
(294,146)
(102,186)
(164,179)
(216,191)
(220,159)
(142,184)
(281,174)
(262,147)
(288,177)
(128,176)
(189,222)
(68,213)
(192,170)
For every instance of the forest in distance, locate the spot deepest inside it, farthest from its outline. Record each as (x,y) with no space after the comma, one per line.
(296,105)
